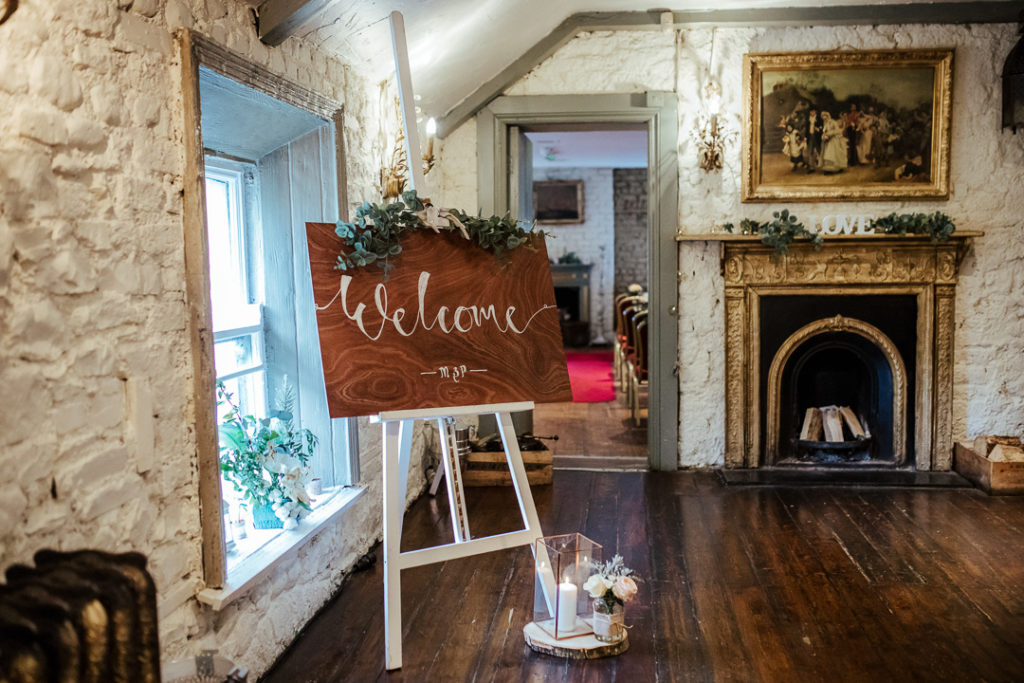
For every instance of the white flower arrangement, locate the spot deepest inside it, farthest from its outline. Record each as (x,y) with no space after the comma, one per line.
(266,459)
(289,501)
(612,582)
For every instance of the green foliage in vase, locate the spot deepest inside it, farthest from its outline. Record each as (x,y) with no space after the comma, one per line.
(779,232)
(376,233)
(263,457)
(569,259)
(937,225)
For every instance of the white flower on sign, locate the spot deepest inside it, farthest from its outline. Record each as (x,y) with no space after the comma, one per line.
(437,219)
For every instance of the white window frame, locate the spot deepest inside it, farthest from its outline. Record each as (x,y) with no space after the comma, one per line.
(197,53)
(248,319)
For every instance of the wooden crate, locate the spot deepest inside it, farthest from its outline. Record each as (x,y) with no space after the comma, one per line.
(491,469)
(993,477)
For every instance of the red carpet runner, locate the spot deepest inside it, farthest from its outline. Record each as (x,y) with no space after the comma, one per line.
(590,374)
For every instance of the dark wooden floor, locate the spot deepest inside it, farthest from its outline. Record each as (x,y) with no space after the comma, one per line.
(591,429)
(743,584)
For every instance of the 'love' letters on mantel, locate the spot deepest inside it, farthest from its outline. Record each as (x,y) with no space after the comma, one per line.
(452,326)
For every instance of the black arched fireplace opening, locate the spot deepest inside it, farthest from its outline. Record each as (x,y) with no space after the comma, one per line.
(837,369)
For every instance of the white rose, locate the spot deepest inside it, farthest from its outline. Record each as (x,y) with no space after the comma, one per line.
(597,585)
(624,588)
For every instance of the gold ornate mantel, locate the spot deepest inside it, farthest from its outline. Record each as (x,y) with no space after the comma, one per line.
(857,265)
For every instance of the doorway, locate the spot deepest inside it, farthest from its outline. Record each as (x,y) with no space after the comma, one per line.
(504,130)
(586,187)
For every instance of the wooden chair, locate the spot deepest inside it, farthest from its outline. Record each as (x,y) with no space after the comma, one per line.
(635,348)
(628,345)
(622,303)
(638,369)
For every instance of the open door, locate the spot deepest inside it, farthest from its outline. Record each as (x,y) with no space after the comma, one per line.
(520,174)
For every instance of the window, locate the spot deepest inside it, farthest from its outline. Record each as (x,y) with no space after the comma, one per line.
(237,315)
(274,156)
(273,169)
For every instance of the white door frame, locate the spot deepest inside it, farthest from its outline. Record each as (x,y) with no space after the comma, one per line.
(658,111)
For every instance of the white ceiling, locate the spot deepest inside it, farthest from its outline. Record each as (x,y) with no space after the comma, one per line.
(592,149)
(455,46)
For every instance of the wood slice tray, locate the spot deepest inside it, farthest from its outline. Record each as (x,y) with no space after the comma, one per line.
(580,647)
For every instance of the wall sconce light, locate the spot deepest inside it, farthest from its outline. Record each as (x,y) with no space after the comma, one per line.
(428,158)
(1013,84)
(711,133)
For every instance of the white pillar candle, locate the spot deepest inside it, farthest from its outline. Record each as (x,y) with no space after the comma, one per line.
(566,607)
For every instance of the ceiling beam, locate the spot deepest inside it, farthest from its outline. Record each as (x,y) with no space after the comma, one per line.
(277,20)
(834,15)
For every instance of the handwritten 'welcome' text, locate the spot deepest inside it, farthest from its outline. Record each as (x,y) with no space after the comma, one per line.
(461,319)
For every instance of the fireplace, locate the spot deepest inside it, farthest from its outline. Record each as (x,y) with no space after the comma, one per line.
(572,296)
(867,322)
(837,361)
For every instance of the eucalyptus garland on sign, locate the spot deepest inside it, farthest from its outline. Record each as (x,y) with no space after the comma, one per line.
(780,232)
(376,233)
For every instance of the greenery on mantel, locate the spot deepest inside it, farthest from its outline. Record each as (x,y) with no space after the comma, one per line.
(375,234)
(784,228)
(937,225)
(779,232)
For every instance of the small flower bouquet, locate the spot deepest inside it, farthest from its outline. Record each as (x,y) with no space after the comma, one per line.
(611,585)
(266,459)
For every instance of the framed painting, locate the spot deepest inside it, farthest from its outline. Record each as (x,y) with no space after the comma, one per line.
(558,201)
(832,126)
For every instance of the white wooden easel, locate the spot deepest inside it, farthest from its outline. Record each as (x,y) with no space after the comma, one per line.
(398,426)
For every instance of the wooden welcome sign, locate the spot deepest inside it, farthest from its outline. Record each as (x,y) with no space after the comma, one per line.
(452,326)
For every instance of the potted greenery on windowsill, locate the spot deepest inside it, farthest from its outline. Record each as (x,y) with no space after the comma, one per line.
(266,458)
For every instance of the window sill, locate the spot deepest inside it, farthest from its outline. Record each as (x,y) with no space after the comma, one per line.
(262,563)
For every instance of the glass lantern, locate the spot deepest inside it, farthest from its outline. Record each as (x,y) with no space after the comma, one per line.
(560,605)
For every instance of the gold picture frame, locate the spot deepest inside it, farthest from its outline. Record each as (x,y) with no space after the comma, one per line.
(887,112)
(558,202)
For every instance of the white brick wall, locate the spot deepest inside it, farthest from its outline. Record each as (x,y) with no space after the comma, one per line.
(92,294)
(593,240)
(987,174)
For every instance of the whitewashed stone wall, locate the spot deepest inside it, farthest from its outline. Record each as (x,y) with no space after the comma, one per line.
(593,241)
(630,192)
(92,299)
(987,174)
